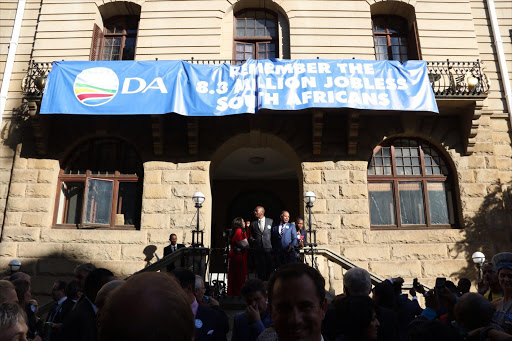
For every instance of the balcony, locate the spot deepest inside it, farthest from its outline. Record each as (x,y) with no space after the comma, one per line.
(458,80)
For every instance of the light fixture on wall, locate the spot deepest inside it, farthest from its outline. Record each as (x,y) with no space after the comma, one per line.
(197,235)
(309,199)
(14,265)
(256,160)
(479,259)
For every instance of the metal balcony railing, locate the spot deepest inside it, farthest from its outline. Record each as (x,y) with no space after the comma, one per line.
(458,79)
(448,79)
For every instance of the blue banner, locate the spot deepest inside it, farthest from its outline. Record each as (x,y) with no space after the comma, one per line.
(160,87)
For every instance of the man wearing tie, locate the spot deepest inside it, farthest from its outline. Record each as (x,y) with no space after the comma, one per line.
(59,311)
(261,245)
(284,240)
(171,249)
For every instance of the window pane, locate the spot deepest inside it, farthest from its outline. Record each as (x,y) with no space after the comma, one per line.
(411,203)
(98,202)
(126,203)
(437,201)
(129,49)
(260,23)
(381,204)
(70,203)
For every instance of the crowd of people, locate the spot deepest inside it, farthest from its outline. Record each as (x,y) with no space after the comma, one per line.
(290,306)
(262,246)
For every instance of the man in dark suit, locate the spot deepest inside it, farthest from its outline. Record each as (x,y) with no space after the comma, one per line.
(81,323)
(261,244)
(284,240)
(59,311)
(209,324)
(173,247)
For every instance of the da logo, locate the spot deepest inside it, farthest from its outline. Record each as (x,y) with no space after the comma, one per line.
(96,86)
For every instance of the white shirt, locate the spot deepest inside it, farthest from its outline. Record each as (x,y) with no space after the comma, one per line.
(261,223)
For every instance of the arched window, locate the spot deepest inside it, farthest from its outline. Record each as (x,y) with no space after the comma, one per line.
(394,31)
(117,39)
(255,35)
(390,37)
(100,186)
(409,185)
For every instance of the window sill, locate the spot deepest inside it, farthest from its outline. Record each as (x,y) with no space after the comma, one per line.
(420,227)
(75,227)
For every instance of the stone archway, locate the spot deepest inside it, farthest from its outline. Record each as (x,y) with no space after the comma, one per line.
(249,170)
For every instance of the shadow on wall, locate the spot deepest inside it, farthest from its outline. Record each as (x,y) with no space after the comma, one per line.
(489,230)
(54,266)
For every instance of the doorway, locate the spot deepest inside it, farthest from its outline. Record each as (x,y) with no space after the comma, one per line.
(244,179)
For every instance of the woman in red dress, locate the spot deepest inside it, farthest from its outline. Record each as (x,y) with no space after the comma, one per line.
(237,268)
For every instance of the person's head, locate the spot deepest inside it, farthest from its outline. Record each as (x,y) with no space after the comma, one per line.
(297,302)
(95,280)
(259,212)
(357,282)
(12,323)
(299,223)
(463,286)
(357,316)
(19,275)
(285,217)
(59,290)
(247,223)
(72,289)
(22,291)
(187,280)
(7,292)
(173,238)
(237,223)
(473,311)
(384,294)
(149,306)
(199,288)
(104,293)
(503,264)
(489,274)
(255,295)
(82,271)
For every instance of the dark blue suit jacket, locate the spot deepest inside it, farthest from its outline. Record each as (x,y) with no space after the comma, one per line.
(245,331)
(281,242)
(209,325)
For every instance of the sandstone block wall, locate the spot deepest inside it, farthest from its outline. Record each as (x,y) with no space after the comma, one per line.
(49,253)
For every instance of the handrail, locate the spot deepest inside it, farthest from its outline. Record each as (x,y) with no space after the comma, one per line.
(347,264)
(173,257)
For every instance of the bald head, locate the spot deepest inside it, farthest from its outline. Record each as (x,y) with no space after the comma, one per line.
(149,306)
(259,212)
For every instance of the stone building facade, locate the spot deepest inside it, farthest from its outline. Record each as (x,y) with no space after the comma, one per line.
(272,157)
